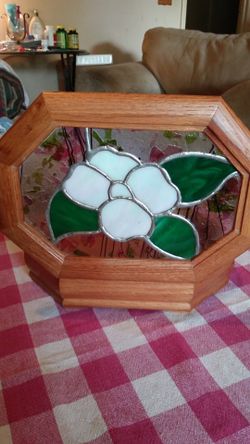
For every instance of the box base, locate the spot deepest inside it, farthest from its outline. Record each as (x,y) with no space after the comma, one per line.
(160,285)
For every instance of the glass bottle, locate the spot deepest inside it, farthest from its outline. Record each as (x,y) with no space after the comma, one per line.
(36,26)
(15,22)
(61,37)
(73,39)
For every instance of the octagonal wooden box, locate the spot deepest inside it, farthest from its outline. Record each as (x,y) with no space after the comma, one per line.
(151,284)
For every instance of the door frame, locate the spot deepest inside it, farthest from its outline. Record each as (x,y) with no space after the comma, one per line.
(183,14)
(243,24)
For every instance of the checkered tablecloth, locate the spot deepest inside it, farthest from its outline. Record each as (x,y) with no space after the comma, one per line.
(122,376)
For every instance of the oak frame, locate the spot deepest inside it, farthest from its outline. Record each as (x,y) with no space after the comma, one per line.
(162,284)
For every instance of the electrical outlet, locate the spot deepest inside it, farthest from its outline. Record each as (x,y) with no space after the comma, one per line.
(94,59)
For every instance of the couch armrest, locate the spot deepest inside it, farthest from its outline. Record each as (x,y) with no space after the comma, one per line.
(238,98)
(131,77)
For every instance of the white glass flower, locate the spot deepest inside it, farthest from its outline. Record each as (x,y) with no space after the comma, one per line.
(127,194)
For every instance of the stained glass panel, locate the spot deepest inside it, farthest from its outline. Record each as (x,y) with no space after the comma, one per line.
(166,185)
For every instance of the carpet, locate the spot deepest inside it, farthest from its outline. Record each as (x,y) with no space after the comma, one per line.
(122,376)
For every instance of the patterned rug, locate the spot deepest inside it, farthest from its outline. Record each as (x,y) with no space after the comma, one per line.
(122,376)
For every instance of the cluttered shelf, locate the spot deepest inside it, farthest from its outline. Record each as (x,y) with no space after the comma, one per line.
(28,36)
(30,51)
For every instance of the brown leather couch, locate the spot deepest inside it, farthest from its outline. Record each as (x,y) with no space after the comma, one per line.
(180,61)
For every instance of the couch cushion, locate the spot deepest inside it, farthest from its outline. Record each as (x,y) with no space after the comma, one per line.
(130,77)
(194,62)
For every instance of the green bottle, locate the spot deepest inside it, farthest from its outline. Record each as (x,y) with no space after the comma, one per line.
(61,37)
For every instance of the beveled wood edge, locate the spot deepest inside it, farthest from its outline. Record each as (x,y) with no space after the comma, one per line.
(37,246)
(204,288)
(144,270)
(243,201)
(231,131)
(135,111)
(244,176)
(124,289)
(223,251)
(245,229)
(119,303)
(232,156)
(11,210)
(26,134)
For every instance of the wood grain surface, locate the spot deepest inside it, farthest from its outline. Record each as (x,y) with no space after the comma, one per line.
(132,283)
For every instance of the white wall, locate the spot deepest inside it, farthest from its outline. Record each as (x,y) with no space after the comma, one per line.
(104,26)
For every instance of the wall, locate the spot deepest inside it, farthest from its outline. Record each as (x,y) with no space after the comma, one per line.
(104,26)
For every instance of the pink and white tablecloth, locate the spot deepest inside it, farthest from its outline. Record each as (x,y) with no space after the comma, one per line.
(122,376)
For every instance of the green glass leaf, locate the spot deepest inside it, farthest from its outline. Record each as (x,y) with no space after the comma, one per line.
(65,217)
(198,176)
(175,236)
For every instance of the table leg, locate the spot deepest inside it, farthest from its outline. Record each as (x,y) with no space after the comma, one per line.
(69,71)
(73,71)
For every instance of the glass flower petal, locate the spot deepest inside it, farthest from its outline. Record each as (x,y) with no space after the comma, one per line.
(118,189)
(151,187)
(114,164)
(86,186)
(123,219)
